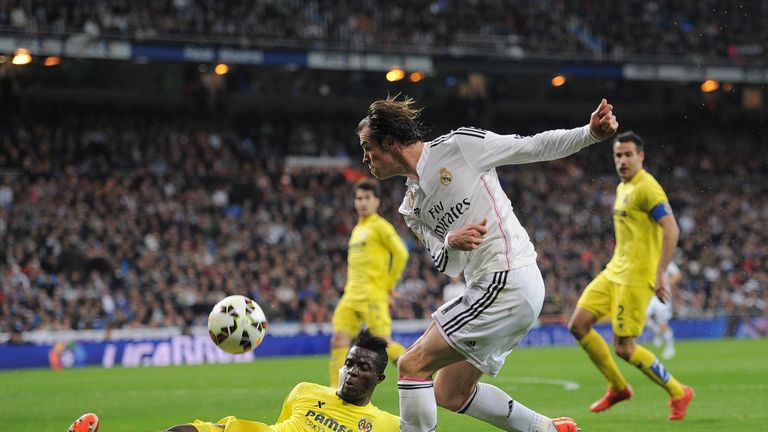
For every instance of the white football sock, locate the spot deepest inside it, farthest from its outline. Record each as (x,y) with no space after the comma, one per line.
(418,408)
(668,336)
(653,327)
(490,404)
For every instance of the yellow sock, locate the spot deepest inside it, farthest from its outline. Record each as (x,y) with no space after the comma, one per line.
(337,361)
(647,362)
(394,351)
(600,354)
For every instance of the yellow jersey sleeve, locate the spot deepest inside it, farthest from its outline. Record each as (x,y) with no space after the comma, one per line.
(398,252)
(650,194)
(287,409)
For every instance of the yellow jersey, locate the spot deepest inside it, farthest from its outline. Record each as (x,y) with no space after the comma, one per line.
(375,260)
(638,236)
(312,407)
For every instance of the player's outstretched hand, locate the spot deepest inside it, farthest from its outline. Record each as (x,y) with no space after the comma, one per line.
(602,123)
(468,237)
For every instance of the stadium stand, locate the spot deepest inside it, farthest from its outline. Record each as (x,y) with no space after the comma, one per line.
(115,217)
(654,29)
(111,222)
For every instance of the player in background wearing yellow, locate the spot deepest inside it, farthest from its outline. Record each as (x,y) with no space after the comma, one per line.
(313,407)
(646,238)
(375,262)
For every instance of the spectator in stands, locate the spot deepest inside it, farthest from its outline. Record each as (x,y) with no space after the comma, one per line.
(94,232)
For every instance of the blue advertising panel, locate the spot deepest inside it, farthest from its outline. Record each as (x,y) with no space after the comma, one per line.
(198,349)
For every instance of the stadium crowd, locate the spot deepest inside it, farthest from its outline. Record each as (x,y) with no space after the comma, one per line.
(113,221)
(600,28)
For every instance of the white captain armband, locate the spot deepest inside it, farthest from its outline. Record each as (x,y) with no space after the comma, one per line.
(659,211)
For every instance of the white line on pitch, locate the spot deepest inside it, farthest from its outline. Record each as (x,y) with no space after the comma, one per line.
(567,385)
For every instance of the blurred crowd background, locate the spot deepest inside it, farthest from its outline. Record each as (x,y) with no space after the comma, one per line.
(599,28)
(117,215)
(138,222)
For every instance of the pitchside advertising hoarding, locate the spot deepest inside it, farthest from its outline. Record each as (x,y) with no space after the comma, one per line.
(296,340)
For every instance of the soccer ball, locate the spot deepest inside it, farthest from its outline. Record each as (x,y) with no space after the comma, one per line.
(237,324)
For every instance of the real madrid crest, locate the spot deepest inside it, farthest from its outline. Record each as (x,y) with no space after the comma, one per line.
(445,176)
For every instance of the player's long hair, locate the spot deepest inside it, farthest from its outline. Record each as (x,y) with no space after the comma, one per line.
(365,339)
(394,118)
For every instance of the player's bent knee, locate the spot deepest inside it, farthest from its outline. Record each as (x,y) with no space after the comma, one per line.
(409,365)
(578,328)
(624,350)
(340,340)
(403,365)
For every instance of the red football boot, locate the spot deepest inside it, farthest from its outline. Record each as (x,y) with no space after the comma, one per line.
(611,398)
(565,424)
(680,405)
(86,423)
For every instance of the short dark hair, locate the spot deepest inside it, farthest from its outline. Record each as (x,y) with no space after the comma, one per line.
(394,118)
(369,184)
(630,136)
(365,339)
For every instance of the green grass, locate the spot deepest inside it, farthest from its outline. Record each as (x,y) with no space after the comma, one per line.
(730,378)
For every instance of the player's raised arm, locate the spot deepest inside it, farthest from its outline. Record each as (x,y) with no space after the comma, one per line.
(500,150)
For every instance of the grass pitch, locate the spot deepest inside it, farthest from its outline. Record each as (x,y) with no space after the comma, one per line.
(730,378)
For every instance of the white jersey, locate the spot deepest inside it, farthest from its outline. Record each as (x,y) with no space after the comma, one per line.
(458,184)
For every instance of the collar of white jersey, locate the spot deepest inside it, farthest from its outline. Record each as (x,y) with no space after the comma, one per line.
(419,165)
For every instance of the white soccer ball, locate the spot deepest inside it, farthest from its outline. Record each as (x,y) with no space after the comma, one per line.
(237,324)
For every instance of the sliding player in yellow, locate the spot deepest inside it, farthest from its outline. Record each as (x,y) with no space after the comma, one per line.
(646,237)
(375,262)
(312,407)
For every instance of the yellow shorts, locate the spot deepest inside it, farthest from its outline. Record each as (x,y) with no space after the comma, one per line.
(624,304)
(349,317)
(232,424)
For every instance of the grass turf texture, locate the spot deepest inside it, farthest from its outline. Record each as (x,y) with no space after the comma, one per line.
(730,378)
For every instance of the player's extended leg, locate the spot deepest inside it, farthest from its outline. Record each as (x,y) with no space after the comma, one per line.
(394,350)
(186,428)
(599,352)
(457,389)
(347,320)
(628,317)
(227,424)
(680,395)
(418,407)
(379,321)
(339,346)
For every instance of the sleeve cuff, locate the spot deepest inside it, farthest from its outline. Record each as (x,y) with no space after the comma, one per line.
(592,139)
(445,242)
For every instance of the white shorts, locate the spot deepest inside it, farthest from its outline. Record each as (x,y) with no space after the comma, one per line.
(659,312)
(492,316)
